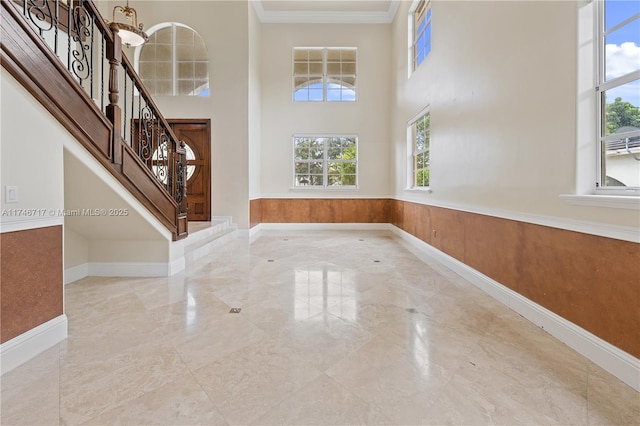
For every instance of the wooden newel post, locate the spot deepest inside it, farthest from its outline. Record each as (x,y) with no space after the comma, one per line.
(114,113)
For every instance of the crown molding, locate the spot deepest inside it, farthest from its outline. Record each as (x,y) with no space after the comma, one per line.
(328,17)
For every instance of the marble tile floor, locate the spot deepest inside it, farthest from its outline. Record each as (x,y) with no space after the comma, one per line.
(335,328)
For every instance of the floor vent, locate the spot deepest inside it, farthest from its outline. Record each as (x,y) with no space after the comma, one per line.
(235,310)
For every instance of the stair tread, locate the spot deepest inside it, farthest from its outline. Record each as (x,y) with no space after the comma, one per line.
(195,245)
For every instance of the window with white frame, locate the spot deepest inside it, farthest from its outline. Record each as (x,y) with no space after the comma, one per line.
(618,95)
(325,161)
(324,74)
(420,135)
(174,61)
(420,21)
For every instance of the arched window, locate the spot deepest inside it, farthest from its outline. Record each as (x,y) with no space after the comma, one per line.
(324,74)
(174,61)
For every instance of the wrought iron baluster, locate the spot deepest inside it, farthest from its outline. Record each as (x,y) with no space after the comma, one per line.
(179,196)
(139,121)
(55,30)
(103,56)
(69,9)
(133,90)
(145,144)
(80,65)
(124,110)
(93,26)
(38,12)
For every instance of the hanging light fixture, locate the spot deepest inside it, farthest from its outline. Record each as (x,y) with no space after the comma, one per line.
(130,33)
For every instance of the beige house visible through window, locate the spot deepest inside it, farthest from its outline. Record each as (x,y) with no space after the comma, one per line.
(174,62)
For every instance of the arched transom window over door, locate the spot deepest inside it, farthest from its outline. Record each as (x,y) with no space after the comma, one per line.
(174,61)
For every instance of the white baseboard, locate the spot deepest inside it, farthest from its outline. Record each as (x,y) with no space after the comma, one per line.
(123,269)
(255,231)
(323,227)
(22,348)
(50,217)
(76,273)
(177,266)
(614,360)
(129,269)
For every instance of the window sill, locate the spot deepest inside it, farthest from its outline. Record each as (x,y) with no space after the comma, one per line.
(323,188)
(610,201)
(419,190)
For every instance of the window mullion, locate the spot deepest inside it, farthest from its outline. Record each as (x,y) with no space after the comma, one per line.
(174,65)
(324,74)
(619,81)
(325,161)
(620,25)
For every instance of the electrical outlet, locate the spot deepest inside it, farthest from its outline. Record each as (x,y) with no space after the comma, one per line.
(11,194)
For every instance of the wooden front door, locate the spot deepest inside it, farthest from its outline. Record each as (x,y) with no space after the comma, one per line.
(196,133)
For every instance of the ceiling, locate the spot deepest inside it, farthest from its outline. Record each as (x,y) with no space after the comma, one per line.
(326,11)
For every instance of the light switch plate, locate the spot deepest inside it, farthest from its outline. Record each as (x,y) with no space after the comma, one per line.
(11,194)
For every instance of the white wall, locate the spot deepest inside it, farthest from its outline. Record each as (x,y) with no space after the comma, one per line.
(76,248)
(368,117)
(35,156)
(31,146)
(501,82)
(223,26)
(254,104)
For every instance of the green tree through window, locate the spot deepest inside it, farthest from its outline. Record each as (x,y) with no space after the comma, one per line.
(421,141)
(619,114)
(325,161)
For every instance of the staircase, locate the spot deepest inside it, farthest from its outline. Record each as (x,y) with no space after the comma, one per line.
(122,152)
(71,61)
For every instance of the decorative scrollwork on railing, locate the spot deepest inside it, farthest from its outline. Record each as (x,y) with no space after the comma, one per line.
(82,37)
(145,134)
(180,179)
(161,159)
(39,13)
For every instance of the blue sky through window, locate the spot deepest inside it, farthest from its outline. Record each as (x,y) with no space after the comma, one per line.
(422,34)
(622,50)
(335,92)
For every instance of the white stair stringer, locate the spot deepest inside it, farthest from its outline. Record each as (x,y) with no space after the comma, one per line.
(202,242)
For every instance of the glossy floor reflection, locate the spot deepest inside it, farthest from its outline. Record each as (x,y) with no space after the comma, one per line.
(335,328)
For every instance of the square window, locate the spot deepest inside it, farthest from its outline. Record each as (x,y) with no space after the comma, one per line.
(325,161)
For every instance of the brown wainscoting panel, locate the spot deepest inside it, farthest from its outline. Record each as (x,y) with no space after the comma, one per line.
(31,288)
(448,231)
(589,280)
(592,281)
(324,210)
(413,218)
(277,210)
(396,213)
(255,212)
(410,218)
(493,247)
